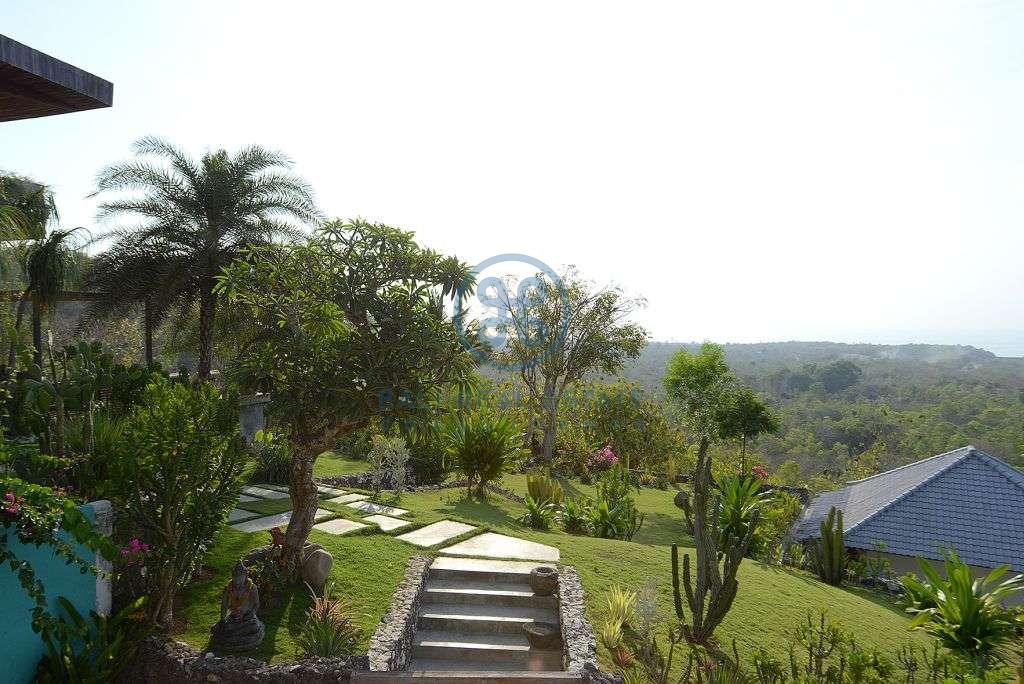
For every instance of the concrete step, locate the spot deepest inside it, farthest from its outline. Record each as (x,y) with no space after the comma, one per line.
(508,648)
(474,569)
(477,619)
(486,594)
(448,671)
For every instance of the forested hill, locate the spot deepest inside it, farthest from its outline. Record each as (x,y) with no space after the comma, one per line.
(897,403)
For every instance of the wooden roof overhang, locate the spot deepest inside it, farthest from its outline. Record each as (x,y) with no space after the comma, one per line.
(33,84)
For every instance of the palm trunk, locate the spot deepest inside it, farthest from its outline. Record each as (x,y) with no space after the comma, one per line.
(37,334)
(19,316)
(207,306)
(303,491)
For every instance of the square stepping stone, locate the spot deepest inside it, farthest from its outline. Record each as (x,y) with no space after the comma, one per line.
(493,545)
(435,533)
(370,507)
(385,523)
(278,520)
(237,514)
(339,526)
(347,498)
(245,498)
(262,493)
(329,491)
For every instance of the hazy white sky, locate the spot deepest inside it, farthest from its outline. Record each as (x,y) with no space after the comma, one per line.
(758,171)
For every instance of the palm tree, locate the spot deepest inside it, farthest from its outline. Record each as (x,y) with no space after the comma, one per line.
(196,217)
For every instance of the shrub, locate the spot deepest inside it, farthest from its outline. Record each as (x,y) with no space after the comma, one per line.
(741,498)
(93,650)
(544,490)
(538,515)
(484,446)
(175,479)
(602,460)
(615,515)
(273,457)
(577,514)
(388,460)
(965,615)
(329,631)
(428,461)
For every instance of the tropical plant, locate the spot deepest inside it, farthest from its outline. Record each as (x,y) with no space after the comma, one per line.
(544,490)
(176,477)
(577,514)
(966,615)
(484,446)
(197,216)
(741,498)
(428,460)
(329,631)
(539,516)
(340,330)
(745,416)
(828,552)
(92,651)
(621,605)
(615,514)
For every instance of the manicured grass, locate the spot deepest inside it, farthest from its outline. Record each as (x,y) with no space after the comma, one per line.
(770,604)
(330,464)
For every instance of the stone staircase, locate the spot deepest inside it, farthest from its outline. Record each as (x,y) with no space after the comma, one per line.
(471,621)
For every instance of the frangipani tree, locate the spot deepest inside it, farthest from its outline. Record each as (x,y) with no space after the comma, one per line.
(341,329)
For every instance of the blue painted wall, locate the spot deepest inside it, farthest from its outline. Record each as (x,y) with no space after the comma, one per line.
(20,647)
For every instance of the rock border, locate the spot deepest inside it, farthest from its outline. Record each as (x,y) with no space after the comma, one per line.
(391,645)
(577,634)
(159,660)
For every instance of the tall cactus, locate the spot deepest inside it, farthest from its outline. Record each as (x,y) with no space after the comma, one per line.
(830,550)
(710,590)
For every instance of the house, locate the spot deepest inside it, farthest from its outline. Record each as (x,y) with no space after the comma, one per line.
(965,500)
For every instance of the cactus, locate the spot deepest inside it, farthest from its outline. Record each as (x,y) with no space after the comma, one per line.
(711,589)
(829,551)
(544,490)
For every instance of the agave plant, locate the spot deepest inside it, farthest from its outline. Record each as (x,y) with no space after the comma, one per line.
(329,631)
(966,615)
(741,497)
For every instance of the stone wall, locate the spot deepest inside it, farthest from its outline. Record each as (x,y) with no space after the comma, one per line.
(391,644)
(577,634)
(160,660)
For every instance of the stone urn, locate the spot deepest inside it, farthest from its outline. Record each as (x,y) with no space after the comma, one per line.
(543,580)
(543,635)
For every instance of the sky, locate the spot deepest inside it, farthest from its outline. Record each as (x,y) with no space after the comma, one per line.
(756,171)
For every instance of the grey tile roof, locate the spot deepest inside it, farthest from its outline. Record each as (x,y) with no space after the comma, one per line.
(964,499)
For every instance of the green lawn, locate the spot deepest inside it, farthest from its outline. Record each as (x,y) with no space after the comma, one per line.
(330,464)
(770,603)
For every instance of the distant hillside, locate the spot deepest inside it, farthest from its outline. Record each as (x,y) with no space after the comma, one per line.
(845,406)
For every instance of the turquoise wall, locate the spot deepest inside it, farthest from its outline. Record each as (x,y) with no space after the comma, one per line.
(20,647)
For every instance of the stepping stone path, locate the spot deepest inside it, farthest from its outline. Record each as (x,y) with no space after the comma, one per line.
(370,507)
(472,617)
(347,498)
(492,545)
(385,523)
(339,526)
(436,533)
(245,498)
(278,520)
(329,491)
(237,514)
(265,493)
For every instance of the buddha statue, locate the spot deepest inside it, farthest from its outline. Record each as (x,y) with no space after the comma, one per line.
(238,629)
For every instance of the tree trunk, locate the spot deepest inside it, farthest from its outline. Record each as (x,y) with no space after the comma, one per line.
(22,303)
(207,306)
(550,425)
(303,491)
(147,325)
(37,334)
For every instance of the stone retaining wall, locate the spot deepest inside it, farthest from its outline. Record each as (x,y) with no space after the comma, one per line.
(391,644)
(577,634)
(160,660)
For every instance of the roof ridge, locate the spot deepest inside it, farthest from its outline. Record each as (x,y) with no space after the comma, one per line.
(911,490)
(966,449)
(1015,476)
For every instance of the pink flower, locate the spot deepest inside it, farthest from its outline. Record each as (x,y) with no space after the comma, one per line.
(12,505)
(760,472)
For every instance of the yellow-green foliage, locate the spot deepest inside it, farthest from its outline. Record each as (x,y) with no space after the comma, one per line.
(544,490)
